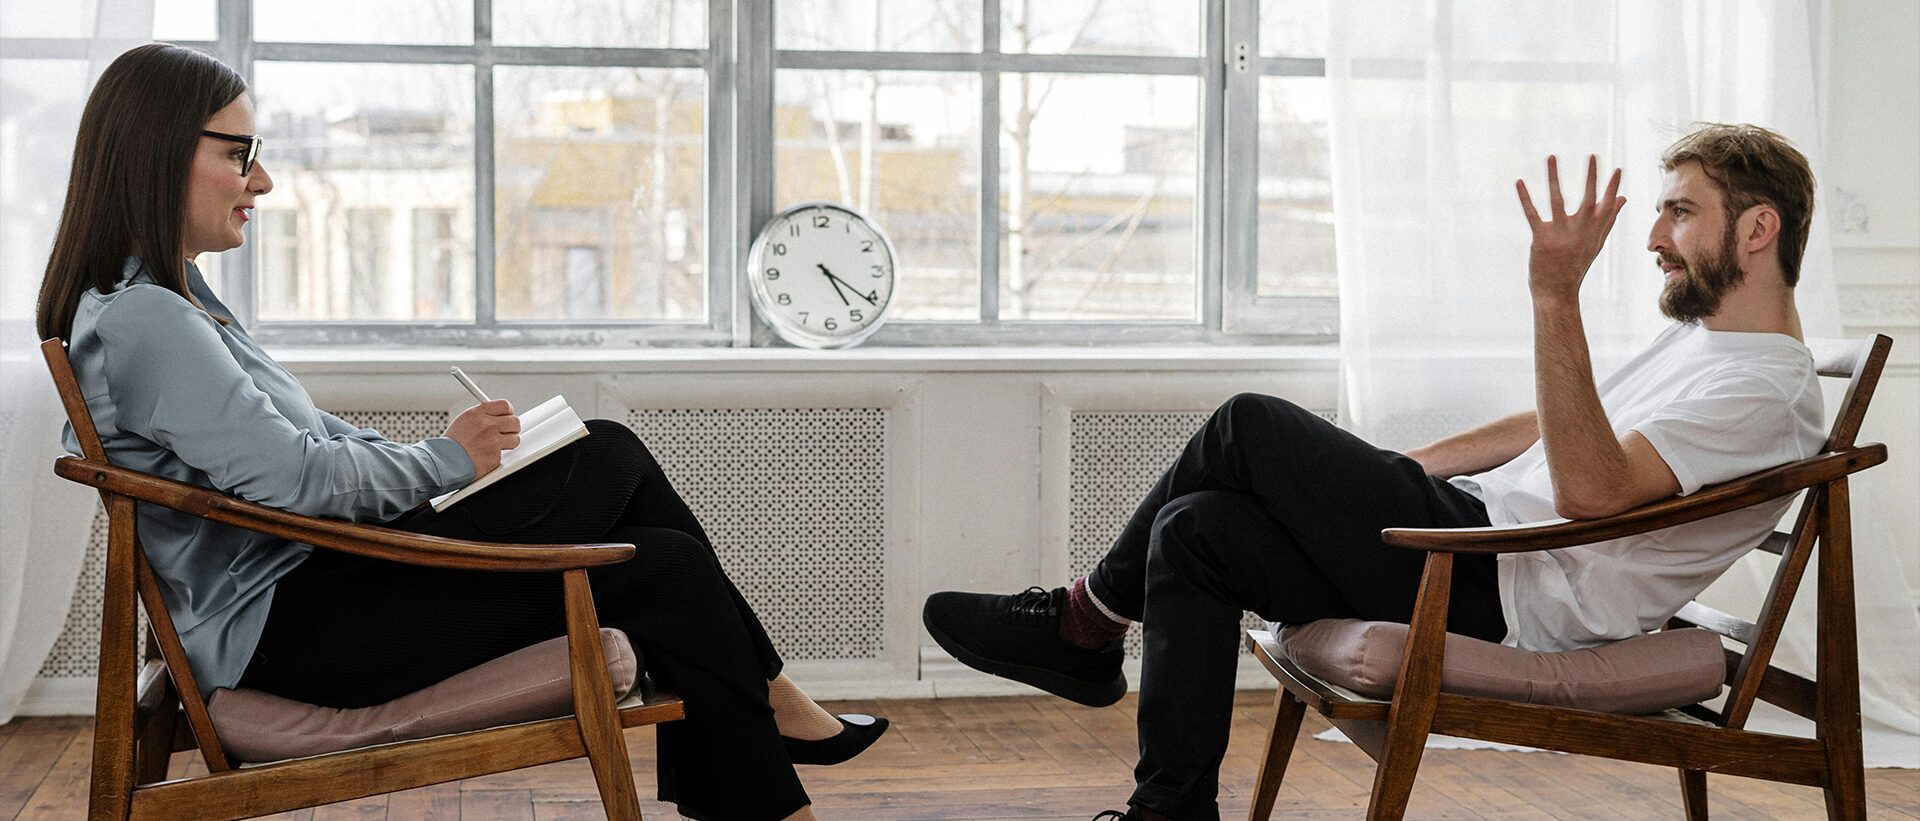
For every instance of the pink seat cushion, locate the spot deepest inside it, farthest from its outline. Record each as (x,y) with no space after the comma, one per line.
(1645,674)
(526,685)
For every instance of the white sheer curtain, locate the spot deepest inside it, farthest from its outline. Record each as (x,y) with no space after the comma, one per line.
(43,519)
(1438,106)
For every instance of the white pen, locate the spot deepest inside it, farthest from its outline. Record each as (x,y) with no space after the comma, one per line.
(468,383)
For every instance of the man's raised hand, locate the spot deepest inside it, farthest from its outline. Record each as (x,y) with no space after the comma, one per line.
(1565,244)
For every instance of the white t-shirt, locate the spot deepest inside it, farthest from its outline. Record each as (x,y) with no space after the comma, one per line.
(1716,405)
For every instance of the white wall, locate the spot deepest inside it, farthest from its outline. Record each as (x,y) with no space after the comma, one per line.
(1872,204)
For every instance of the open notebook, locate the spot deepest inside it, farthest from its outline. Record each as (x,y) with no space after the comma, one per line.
(543,430)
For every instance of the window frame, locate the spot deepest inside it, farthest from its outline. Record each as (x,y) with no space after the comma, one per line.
(739,62)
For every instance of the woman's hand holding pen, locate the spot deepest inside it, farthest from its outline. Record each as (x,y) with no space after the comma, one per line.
(483,431)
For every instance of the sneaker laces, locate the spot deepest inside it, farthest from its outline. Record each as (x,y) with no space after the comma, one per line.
(1034,601)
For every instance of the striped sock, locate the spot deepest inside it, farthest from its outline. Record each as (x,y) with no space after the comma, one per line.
(1085,622)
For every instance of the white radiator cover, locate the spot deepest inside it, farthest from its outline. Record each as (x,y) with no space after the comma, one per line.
(833,501)
(1115,459)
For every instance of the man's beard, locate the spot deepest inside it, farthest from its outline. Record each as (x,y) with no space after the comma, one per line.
(1697,288)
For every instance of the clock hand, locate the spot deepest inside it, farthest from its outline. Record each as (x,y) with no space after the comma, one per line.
(835,282)
(856,291)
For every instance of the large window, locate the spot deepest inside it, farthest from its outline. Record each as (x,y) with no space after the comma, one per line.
(592,171)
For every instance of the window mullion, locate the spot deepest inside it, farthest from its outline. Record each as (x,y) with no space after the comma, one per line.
(753,144)
(989,166)
(1210,206)
(484,309)
(1239,247)
(722,195)
(238,273)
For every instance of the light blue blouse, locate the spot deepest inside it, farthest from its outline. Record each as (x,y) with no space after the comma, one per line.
(177,394)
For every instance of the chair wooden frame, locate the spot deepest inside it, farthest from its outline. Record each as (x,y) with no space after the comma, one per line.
(140,703)
(1694,739)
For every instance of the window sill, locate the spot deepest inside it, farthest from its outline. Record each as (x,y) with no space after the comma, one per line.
(317,360)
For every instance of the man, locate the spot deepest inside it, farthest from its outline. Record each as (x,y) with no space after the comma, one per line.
(1273,510)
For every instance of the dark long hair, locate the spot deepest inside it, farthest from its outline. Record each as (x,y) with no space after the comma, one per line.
(127,192)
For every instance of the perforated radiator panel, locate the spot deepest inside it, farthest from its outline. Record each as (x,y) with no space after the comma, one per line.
(1115,457)
(76,654)
(795,503)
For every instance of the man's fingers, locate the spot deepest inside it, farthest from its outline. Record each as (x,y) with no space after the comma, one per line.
(510,424)
(1526,203)
(497,407)
(510,441)
(1593,178)
(1554,199)
(1613,189)
(1613,214)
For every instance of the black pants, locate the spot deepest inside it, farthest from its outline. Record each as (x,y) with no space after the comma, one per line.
(348,631)
(1275,510)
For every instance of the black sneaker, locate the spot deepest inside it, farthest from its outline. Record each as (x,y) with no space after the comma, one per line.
(1018,637)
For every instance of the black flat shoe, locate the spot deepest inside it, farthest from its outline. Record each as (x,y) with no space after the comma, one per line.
(857,733)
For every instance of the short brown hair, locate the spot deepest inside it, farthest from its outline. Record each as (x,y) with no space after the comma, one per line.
(1754,166)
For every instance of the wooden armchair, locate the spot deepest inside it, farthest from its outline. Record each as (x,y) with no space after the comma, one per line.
(1695,739)
(140,702)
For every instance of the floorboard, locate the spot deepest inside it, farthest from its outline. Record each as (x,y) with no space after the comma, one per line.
(1026,758)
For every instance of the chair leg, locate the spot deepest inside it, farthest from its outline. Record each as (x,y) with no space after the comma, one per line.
(1837,701)
(1393,778)
(110,788)
(1287,712)
(594,710)
(154,750)
(1693,794)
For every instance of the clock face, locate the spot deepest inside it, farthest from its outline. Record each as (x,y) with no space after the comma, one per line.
(822,275)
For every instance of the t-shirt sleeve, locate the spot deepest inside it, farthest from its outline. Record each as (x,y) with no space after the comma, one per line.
(1734,424)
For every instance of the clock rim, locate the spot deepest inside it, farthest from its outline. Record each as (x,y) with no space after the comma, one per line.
(783,326)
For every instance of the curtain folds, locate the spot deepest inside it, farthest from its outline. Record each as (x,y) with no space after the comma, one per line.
(43,520)
(1439,106)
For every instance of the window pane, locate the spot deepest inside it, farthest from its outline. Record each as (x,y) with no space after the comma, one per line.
(599,206)
(1293,28)
(356,151)
(1156,27)
(878,25)
(36,149)
(184,20)
(277,233)
(439,289)
(1484,31)
(1098,199)
(437,22)
(625,24)
(1296,189)
(902,148)
(27,18)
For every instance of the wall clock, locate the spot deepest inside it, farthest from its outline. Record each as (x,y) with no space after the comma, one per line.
(822,275)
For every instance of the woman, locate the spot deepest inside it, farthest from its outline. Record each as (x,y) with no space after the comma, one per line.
(165,168)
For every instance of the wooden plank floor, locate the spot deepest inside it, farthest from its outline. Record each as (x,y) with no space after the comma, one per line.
(1018,758)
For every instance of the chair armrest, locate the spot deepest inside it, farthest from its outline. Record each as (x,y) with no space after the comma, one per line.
(333,534)
(1709,501)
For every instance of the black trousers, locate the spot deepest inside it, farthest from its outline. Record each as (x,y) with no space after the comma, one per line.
(348,631)
(1271,509)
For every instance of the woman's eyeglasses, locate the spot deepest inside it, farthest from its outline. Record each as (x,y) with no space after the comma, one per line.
(251,141)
